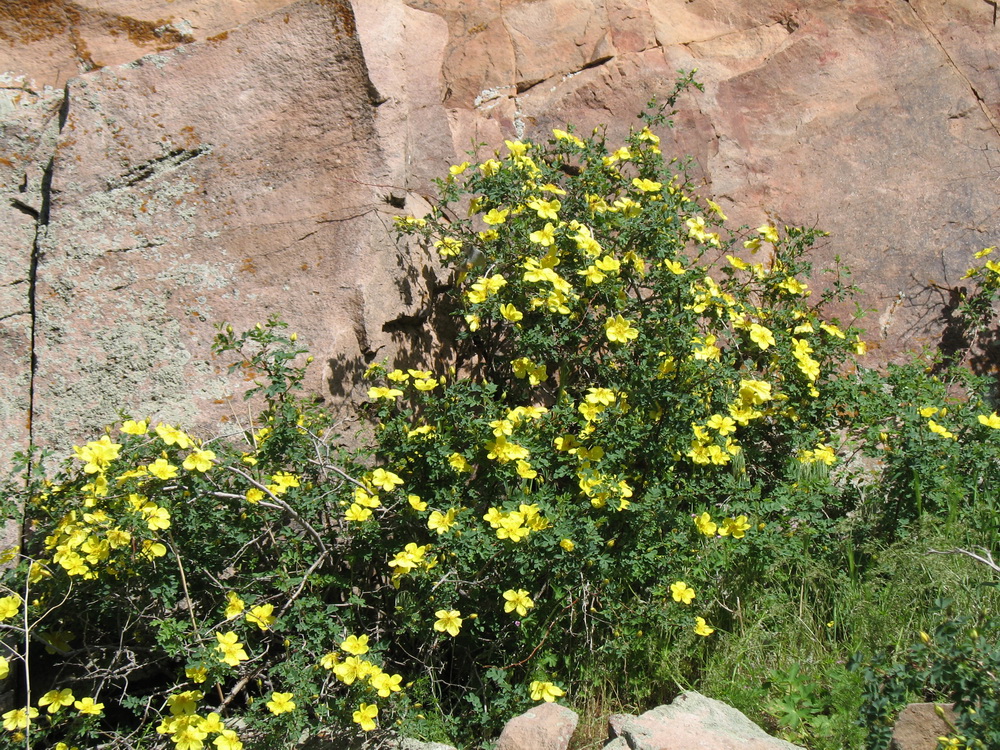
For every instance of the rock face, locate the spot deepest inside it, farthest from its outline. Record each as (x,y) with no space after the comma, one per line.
(167,165)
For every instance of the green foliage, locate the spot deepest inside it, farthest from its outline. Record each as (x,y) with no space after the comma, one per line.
(958,661)
(652,420)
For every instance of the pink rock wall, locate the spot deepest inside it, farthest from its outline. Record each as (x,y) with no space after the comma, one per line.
(168,164)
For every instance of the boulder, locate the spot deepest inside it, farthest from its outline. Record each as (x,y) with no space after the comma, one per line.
(547,726)
(918,726)
(616,722)
(694,722)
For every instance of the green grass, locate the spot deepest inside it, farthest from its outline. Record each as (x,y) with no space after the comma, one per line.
(783,661)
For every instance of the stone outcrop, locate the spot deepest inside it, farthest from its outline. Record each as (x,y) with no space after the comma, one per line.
(918,726)
(167,165)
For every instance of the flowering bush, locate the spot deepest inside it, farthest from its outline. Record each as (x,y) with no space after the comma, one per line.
(651,412)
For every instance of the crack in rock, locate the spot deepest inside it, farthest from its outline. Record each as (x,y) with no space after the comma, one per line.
(156,167)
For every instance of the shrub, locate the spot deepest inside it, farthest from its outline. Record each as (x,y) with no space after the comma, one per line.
(651,415)
(956,663)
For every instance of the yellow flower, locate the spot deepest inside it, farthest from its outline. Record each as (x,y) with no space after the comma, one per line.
(385,480)
(511,313)
(234,605)
(546,236)
(131,427)
(724,425)
(199,461)
(157,518)
(280,703)
(708,351)
(365,500)
(4,668)
(674,267)
(442,522)
(282,481)
(698,231)
(355,646)
(56,699)
(620,331)
(832,330)
(459,463)
(172,436)
(517,601)
(517,148)
(262,616)
(567,544)
(416,503)
(196,674)
(386,684)
(457,169)
(448,621)
(735,527)
(545,691)
(97,455)
(755,392)
(447,248)
(769,233)
(188,737)
(19,718)
(150,550)
(162,469)
(939,430)
(622,153)
(357,513)
(701,627)
(231,649)
(545,209)
(525,471)
(377,392)
(705,524)
(490,167)
(989,421)
(350,669)
(365,715)
(717,209)
(9,606)
(761,336)
(228,740)
(647,186)
(681,592)
(794,286)
(88,706)
(482,288)
(212,724)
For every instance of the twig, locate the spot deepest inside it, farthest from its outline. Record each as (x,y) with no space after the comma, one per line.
(986,558)
(184,584)
(541,642)
(284,506)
